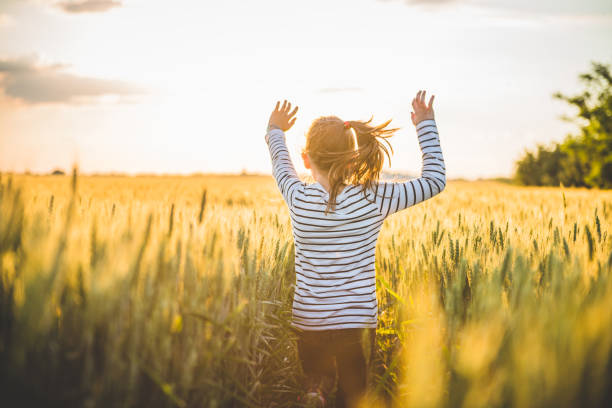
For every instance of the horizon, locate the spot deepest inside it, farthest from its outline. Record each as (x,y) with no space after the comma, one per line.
(138,86)
(385,175)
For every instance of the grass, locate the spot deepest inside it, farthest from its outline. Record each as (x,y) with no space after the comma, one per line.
(176,291)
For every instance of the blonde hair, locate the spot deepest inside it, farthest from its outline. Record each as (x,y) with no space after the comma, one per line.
(330,144)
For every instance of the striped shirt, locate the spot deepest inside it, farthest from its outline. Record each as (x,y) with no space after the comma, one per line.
(335,282)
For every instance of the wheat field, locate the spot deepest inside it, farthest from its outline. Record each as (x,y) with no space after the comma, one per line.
(176,291)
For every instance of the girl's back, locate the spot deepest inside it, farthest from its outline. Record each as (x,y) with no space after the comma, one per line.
(334,259)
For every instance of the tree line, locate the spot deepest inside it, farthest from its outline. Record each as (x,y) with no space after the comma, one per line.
(583,159)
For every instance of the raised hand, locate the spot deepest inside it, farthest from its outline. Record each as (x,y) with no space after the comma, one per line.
(282,117)
(422,111)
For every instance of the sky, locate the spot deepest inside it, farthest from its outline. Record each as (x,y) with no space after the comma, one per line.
(147,86)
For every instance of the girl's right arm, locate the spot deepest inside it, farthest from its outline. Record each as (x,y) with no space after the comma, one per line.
(287,180)
(393,197)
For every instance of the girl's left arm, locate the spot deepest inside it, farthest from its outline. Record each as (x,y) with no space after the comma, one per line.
(281,120)
(400,195)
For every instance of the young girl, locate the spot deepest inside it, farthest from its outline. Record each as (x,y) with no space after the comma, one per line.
(336,222)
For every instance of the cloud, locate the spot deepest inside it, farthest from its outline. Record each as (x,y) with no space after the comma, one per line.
(88,6)
(430,2)
(427,3)
(554,8)
(519,13)
(337,90)
(26,80)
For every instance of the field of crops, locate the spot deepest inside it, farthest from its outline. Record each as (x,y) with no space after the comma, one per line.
(176,291)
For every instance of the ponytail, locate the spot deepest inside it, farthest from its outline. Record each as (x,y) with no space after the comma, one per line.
(331,145)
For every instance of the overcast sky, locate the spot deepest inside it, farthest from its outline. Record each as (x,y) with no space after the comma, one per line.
(187,86)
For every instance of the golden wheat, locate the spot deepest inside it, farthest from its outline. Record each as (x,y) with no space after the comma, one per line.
(176,291)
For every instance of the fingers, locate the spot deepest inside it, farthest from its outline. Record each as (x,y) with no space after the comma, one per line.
(283,116)
(286,107)
(419,100)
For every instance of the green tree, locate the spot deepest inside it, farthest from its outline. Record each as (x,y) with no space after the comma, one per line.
(542,167)
(584,159)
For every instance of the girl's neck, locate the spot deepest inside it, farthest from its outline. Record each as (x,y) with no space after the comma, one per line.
(324,181)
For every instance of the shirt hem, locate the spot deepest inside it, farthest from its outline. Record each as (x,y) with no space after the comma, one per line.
(371,325)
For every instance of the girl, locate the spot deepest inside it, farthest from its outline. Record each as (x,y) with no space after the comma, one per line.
(335,223)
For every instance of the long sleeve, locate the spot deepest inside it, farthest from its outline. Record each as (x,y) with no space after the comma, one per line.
(395,196)
(282,167)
